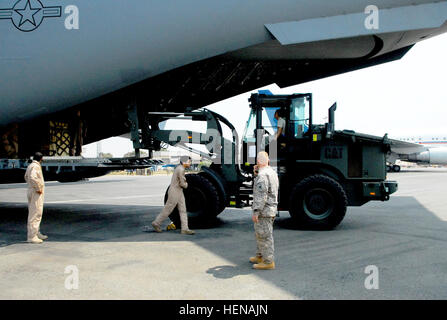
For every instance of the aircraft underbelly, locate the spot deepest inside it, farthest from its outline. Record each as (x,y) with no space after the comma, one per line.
(117,45)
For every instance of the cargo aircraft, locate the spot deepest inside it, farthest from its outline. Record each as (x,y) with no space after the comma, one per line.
(74,72)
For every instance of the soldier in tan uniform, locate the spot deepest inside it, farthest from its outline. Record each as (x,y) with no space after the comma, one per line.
(176,198)
(35,194)
(265,202)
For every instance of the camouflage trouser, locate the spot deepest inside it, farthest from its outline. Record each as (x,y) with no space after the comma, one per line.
(264,238)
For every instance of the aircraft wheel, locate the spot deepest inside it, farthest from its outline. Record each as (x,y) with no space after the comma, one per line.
(202,201)
(318,202)
(396,168)
(388,168)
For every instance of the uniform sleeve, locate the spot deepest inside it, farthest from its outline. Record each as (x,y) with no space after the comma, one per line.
(182,179)
(35,180)
(283,125)
(260,193)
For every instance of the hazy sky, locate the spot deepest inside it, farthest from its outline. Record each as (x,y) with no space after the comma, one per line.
(399,98)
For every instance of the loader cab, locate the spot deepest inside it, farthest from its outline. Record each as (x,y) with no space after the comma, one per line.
(299,117)
(261,127)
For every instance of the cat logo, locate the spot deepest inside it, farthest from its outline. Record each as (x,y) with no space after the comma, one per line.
(27,15)
(333,153)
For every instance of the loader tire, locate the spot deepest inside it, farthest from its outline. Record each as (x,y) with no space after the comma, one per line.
(318,202)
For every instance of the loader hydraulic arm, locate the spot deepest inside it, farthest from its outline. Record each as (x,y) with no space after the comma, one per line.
(221,151)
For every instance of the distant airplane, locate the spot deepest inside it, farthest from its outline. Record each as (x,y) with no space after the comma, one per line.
(428,149)
(94,69)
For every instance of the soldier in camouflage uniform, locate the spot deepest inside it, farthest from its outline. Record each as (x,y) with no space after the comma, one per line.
(265,201)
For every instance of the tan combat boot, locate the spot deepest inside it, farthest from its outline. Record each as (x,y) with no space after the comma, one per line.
(264,266)
(190,232)
(42,236)
(156,227)
(35,240)
(256,259)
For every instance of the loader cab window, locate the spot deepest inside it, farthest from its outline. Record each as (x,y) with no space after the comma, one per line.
(250,127)
(269,123)
(295,112)
(298,124)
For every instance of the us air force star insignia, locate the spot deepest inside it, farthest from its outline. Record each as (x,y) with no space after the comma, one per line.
(27,15)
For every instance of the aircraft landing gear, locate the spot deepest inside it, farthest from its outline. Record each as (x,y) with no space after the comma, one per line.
(392,168)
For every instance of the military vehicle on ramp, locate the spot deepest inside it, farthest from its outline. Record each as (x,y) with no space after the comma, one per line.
(321,170)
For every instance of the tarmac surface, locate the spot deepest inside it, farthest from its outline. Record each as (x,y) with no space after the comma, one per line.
(95,229)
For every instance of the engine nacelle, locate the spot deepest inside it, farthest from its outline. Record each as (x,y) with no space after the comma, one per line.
(432,156)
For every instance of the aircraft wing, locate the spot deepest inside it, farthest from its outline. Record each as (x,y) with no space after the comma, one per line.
(423,16)
(403,147)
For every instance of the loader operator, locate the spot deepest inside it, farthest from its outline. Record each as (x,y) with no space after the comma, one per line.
(280,134)
(265,202)
(281,126)
(35,195)
(176,198)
